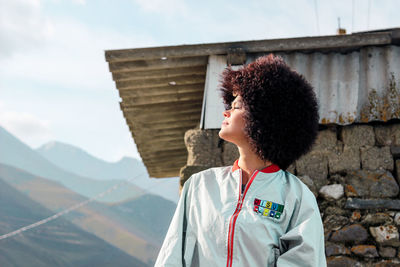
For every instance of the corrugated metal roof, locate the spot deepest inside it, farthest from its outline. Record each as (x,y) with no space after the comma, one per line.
(162,88)
(360,86)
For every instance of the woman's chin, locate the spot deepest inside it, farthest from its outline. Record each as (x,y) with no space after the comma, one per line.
(223,134)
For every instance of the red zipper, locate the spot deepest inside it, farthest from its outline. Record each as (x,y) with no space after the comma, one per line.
(233,219)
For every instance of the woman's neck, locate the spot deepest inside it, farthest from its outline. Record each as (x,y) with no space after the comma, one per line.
(250,162)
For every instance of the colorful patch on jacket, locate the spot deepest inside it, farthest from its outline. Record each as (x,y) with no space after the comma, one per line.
(268,208)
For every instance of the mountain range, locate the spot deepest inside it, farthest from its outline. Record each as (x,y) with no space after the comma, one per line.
(125,219)
(81,163)
(56,243)
(66,164)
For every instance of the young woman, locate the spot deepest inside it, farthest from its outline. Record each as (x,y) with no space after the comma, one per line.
(254,213)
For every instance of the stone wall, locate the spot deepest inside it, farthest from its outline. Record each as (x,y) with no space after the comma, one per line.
(354,171)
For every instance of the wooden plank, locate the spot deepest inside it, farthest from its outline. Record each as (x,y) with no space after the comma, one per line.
(163,73)
(157,64)
(172,99)
(176,166)
(162,155)
(162,90)
(161,82)
(164,107)
(161,118)
(145,139)
(165,152)
(155,147)
(172,119)
(166,165)
(188,124)
(163,139)
(149,132)
(177,163)
(274,45)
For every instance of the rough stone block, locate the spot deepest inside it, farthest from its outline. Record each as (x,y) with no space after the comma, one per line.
(291,168)
(332,192)
(395,150)
(332,249)
(375,184)
(334,222)
(335,211)
(355,216)
(341,261)
(387,252)
(397,218)
(387,263)
(356,203)
(374,158)
(377,219)
(386,235)
(383,135)
(187,171)
(387,135)
(309,183)
(344,158)
(315,165)
(202,146)
(326,140)
(230,153)
(351,233)
(358,135)
(367,251)
(395,129)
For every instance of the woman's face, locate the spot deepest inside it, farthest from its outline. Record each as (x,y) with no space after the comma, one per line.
(232,128)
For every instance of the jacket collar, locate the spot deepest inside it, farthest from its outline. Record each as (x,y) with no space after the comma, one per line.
(270,169)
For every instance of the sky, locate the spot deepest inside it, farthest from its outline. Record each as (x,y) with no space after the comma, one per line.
(54,81)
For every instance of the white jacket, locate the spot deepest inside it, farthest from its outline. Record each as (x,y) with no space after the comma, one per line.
(275,222)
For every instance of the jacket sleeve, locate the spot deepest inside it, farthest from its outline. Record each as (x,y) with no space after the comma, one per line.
(172,250)
(303,243)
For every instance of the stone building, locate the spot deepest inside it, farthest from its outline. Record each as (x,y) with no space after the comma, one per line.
(171,104)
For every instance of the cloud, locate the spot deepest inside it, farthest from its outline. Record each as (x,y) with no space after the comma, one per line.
(27,127)
(166,7)
(72,56)
(79,2)
(22,26)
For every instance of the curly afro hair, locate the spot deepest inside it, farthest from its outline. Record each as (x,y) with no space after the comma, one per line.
(281,108)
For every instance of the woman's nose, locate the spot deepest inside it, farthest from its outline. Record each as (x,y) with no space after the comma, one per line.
(226,113)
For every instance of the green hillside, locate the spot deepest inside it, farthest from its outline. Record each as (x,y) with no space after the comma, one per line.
(56,243)
(141,213)
(129,225)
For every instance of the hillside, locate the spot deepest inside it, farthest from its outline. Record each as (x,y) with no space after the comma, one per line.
(75,160)
(129,225)
(57,243)
(15,153)
(140,213)
(78,161)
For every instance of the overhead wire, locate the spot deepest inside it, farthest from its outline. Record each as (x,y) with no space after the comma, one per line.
(368,14)
(352,15)
(74,207)
(316,16)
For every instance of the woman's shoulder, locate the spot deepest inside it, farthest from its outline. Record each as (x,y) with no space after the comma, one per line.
(296,186)
(210,176)
(212,172)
